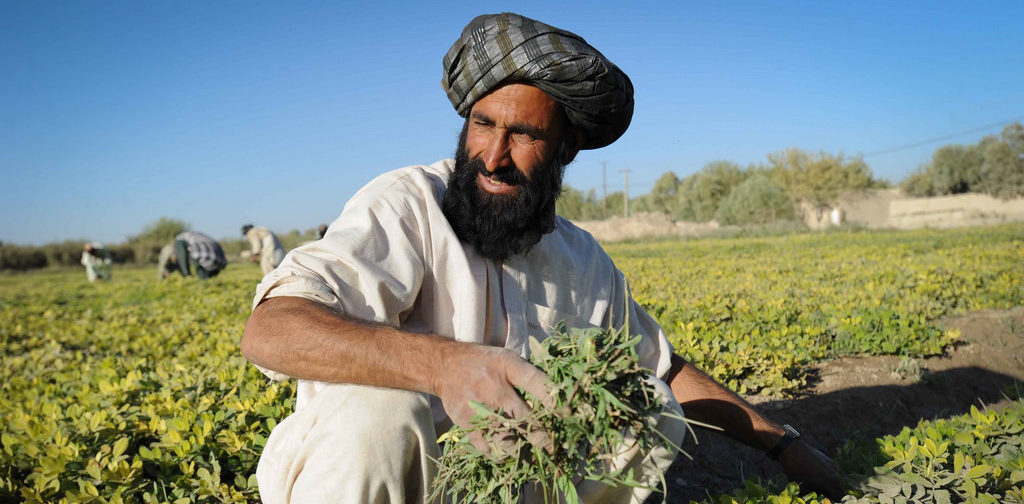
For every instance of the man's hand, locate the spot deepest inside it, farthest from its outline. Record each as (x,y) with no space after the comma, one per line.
(805,464)
(707,401)
(488,375)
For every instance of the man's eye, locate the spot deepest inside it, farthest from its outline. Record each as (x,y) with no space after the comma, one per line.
(522,138)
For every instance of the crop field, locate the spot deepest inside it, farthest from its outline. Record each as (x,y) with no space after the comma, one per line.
(134,390)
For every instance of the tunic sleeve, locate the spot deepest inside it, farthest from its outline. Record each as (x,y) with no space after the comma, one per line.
(369,266)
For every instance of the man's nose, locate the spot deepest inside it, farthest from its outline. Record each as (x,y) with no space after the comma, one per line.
(497,154)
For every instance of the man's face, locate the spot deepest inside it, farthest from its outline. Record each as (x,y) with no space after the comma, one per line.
(517,126)
(508,171)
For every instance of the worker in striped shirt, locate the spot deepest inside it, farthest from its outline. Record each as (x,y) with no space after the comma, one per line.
(192,250)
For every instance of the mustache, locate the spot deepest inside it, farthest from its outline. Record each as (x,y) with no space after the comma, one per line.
(509,174)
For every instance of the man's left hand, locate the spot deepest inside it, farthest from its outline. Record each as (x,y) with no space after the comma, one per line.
(809,466)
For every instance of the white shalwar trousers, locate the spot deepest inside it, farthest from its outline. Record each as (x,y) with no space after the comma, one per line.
(374,445)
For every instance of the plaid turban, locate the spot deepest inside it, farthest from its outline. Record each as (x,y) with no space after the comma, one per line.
(496,49)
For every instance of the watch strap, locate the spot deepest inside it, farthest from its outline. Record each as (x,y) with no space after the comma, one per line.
(787,439)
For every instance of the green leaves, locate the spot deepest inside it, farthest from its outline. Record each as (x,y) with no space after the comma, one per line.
(754,313)
(929,464)
(136,391)
(603,406)
(130,391)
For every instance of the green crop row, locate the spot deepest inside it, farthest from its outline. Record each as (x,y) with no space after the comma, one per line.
(134,390)
(755,312)
(974,458)
(130,390)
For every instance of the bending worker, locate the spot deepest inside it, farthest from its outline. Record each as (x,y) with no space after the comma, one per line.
(192,250)
(96,259)
(423,294)
(265,247)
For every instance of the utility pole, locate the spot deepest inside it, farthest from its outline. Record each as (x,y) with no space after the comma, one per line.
(625,195)
(604,188)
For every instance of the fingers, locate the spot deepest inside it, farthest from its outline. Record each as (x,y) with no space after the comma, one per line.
(477,439)
(541,439)
(514,406)
(527,377)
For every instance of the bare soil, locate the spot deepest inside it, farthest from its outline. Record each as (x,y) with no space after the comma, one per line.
(862,398)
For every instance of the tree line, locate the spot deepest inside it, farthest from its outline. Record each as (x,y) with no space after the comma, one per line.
(722,190)
(141,248)
(762,193)
(730,194)
(994,165)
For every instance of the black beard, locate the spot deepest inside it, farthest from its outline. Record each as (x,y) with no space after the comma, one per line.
(501,225)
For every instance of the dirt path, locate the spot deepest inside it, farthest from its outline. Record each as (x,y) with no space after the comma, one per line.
(865,397)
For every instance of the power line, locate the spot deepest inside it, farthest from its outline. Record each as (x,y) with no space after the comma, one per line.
(941,138)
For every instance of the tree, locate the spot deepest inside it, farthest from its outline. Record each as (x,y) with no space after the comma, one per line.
(164,229)
(614,202)
(663,196)
(570,203)
(755,201)
(1002,171)
(995,165)
(574,205)
(953,169)
(819,179)
(700,194)
(147,244)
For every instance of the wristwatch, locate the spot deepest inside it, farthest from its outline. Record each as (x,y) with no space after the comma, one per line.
(787,439)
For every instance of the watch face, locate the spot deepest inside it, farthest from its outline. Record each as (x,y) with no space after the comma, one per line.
(791,430)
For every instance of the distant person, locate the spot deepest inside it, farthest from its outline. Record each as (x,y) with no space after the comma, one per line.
(192,250)
(265,247)
(96,260)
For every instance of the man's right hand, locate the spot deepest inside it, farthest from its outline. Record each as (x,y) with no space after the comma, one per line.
(488,375)
(309,341)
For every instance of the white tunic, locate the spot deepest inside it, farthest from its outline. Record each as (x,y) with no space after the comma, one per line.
(392,257)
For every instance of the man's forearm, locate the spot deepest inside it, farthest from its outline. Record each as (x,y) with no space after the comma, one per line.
(705,400)
(306,340)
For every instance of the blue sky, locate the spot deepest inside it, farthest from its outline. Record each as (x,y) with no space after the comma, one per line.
(221,113)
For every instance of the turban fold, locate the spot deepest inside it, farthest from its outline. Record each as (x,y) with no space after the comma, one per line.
(495,49)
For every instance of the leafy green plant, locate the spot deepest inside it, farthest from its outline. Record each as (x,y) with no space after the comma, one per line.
(754,313)
(975,457)
(135,391)
(130,390)
(602,405)
(908,369)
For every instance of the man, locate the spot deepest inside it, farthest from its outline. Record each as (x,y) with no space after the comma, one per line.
(264,247)
(423,294)
(96,260)
(192,250)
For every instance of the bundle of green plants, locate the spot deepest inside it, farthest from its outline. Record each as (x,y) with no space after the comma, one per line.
(601,405)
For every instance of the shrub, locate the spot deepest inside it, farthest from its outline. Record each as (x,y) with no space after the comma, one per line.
(755,201)
(995,165)
(147,244)
(700,194)
(66,253)
(19,258)
(819,178)
(1002,171)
